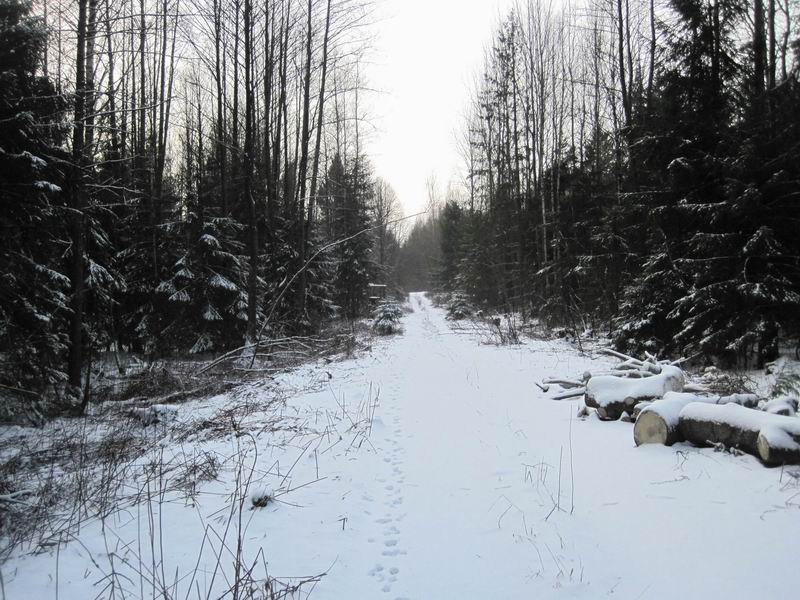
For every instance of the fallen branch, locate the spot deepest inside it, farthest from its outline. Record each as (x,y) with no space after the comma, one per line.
(570,394)
(11,498)
(565,383)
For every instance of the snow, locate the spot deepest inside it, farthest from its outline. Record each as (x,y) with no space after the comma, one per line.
(218,281)
(783,405)
(47,187)
(432,467)
(36,162)
(669,407)
(211,314)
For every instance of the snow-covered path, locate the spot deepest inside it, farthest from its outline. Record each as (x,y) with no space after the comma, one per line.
(473,485)
(459,500)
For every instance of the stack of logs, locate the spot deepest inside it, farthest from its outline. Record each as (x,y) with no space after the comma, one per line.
(666,409)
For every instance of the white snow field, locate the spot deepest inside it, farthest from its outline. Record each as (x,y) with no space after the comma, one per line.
(454,477)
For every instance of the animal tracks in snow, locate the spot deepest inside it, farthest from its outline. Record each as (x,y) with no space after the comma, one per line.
(391,489)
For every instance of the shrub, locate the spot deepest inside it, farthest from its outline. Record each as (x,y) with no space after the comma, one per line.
(386,318)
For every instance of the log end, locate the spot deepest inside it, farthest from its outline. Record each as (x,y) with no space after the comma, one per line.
(650,428)
(776,447)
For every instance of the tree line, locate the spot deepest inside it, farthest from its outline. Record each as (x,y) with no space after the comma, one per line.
(634,166)
(179,176)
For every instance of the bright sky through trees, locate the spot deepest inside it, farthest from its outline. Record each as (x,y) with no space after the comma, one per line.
(427,53)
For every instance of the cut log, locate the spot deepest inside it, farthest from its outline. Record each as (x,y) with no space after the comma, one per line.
(612,396)
(732,425)
(773,438)
(657,423)
(777,446)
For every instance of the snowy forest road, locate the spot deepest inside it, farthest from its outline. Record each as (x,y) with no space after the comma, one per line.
(483,488)
(431,467)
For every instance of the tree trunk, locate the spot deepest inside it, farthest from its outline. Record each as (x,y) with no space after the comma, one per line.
(315,168)
(621,26)
(75,359)
(772,56)
(249,99)
(302,171)
(759,48)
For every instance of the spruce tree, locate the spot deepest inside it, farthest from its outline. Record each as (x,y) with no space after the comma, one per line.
(350,189)
(34,294)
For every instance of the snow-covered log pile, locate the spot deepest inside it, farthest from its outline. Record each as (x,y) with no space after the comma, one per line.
(613,395)
(620,389)
(668,410)
(767,429)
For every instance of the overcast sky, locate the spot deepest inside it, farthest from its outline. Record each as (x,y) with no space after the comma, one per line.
(426,53)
